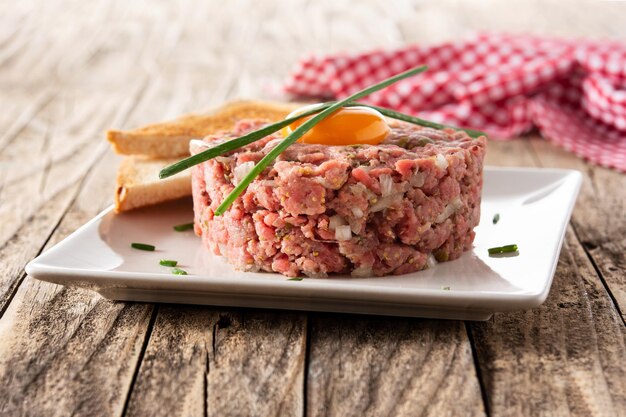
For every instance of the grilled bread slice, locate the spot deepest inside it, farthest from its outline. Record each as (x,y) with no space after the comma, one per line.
(170,139)
(153,147)
(138,183)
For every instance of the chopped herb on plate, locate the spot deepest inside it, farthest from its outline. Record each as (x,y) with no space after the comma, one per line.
(167,262)
(178,271)
(503,249)
(496,218)
(183,227)
(445,288)
(295,279)
(143,246)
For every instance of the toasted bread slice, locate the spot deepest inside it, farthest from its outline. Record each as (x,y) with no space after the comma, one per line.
(138,183)
(171,139)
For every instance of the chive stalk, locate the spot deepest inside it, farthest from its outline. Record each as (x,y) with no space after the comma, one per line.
(168,262)
(178,271)
(302,129)
(233,144)
(142,246)
(417,121)
(183,227)
(275,127)
(503,249)
(319,113)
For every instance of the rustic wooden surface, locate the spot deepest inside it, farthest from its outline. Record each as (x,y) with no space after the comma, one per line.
(69,70)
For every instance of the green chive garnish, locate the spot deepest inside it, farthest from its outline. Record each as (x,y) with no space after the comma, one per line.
(275,127)
(234,144)
(319,113)
(496,218)
(503,249)
(183,227)
(301,130)
(417,121)
(445,288)
(178,271)
(167,262)
(295,279)
(142,246)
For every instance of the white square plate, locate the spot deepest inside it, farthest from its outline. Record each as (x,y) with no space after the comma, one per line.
(534,206)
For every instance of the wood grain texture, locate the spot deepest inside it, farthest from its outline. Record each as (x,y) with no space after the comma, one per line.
(201,361)
(361,366)
(35,195)
(67,351)
(566,357)
(599,219)
(68,70)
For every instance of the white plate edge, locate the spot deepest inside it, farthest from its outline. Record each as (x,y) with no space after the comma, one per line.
(486,300)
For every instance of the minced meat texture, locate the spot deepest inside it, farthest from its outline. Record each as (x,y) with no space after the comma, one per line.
(365,210)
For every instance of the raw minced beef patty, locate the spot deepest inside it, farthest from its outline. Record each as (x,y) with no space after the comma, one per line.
(362,210)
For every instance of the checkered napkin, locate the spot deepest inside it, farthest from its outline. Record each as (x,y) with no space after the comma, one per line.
(574,92)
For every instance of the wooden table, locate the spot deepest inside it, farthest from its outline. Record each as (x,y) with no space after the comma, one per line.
(69,70)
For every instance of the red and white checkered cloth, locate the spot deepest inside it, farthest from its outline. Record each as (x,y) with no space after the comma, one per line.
(574,92)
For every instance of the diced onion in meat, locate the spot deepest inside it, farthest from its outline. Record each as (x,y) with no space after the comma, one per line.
(363,271)
(241,171)
(417,179)
(335,221)
(343,233)
(431,261)
(357,212)
(361,191)
(356,227)
(441,161)
(383,203)
(222,159)
(386,184)
(196,145)
(316,274)
(252,267)
(449,210)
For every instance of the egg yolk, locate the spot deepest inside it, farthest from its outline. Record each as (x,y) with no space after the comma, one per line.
(346,126)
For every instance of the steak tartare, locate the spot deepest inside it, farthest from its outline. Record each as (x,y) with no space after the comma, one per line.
(364,210)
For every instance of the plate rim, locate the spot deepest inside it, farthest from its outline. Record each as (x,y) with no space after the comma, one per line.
(472,299)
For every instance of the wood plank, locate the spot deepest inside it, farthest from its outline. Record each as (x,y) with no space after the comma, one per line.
(567,357)
(33,200)
(515,152)
(564,357)
(368,366)
(82,361)
(64,352)
(67,351)
(201,361)
(599,218)
(26,115)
